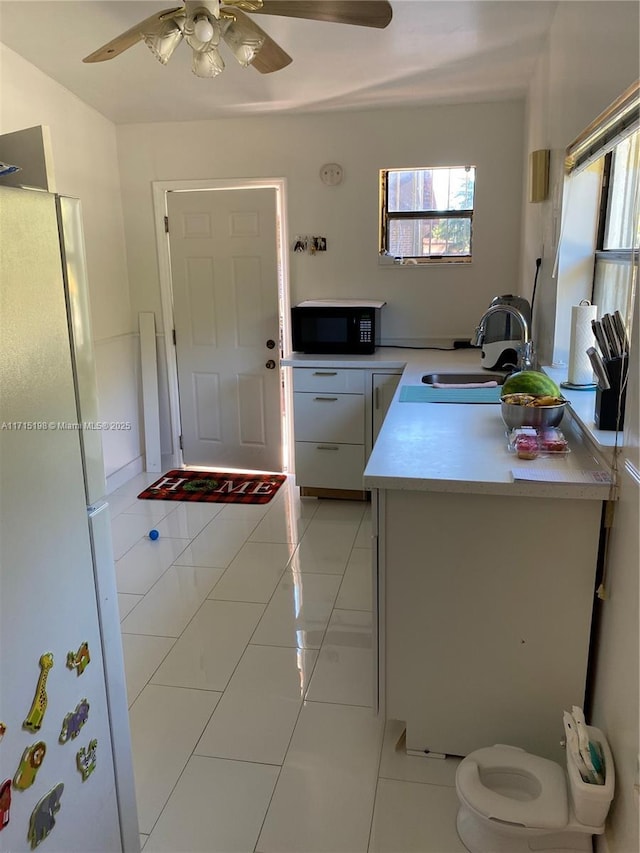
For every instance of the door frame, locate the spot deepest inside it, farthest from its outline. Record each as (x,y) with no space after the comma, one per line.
(160,190)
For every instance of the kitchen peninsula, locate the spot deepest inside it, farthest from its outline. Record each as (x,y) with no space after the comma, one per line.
(483,584)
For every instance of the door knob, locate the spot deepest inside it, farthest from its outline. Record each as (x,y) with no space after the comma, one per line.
(270,364)
(271,344)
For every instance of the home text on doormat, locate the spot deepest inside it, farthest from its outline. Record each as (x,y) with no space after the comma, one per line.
(214,487)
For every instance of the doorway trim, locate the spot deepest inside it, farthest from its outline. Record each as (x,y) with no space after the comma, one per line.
(160,190)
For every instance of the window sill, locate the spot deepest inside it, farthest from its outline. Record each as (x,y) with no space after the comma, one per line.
(390,261)
(583,405)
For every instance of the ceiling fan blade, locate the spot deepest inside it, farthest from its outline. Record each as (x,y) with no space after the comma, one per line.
(132,36)
(362,13)
(270,57)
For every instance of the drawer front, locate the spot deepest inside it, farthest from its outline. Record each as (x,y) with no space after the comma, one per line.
(329,379)
(329,417)
(324,465)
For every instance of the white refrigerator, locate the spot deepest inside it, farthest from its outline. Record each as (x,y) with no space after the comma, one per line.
(66,777)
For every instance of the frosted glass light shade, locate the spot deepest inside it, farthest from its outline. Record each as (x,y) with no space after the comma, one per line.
(163,42)
(244,45)
(207,63)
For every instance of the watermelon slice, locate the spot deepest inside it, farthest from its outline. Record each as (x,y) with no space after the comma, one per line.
(530,382)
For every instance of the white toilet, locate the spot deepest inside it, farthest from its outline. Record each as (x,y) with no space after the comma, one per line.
(515,802)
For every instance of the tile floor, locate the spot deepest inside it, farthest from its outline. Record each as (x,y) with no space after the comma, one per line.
(247,643)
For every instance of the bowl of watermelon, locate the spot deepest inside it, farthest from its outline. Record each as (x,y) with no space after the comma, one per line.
(531,398)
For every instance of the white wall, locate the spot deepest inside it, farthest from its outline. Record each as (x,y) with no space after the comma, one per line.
(86,167)
(591,58)
(439,301)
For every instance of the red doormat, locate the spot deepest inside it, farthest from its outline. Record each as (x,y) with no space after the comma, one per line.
(214,487)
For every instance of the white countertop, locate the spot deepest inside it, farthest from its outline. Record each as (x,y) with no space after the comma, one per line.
(462,448)
(391,358)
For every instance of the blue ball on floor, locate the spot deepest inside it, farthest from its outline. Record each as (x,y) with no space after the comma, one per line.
(153,534)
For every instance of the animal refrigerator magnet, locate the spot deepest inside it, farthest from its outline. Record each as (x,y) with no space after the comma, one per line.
(74,721)
(5,803)
(42,817)
(79,660)
(39,705)
(30,763)
(86,759)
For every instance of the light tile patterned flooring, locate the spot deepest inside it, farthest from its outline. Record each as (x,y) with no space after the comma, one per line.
(247,641)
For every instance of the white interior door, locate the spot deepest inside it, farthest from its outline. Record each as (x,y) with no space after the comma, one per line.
(224,269)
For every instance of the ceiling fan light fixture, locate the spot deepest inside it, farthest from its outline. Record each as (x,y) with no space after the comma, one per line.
(202,23)
(207,63)
(244,45)
(164,41)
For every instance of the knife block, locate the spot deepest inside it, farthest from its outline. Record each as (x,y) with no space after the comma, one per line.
(609,413)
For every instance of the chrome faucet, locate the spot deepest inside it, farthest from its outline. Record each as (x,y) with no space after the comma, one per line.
(525,354)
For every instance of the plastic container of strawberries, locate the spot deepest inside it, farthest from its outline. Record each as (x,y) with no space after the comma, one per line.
(537,442)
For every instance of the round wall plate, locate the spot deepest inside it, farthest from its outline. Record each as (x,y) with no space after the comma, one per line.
(331,174)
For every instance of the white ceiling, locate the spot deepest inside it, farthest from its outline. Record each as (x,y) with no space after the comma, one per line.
(447,51)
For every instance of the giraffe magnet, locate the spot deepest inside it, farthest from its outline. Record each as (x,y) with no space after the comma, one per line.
(39,706)
(79,660)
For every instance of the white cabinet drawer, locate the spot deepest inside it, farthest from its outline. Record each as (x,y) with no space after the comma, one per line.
(323,465)
(329,417)
(344,381)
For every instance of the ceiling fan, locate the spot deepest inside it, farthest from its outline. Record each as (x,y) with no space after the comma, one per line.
(204,23)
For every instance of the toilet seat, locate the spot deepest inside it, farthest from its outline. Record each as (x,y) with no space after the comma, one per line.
(549,807)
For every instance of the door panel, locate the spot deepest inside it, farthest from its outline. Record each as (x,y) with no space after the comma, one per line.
(200,301)
(206,415)
(251,394)
(224,269)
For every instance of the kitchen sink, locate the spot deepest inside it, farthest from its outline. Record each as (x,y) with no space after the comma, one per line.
(463,378)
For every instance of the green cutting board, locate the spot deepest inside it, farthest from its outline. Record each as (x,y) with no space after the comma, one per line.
(427,394)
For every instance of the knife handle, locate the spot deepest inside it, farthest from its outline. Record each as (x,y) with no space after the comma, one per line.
(599,368)
(620,328)
(598,334)
(615,347)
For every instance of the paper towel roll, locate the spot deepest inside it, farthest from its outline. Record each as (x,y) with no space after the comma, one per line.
(580,370)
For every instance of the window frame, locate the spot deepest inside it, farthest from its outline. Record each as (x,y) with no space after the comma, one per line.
(626,257)
(386,218)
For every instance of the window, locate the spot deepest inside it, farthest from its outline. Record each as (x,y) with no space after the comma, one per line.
(426,214)
(619,227)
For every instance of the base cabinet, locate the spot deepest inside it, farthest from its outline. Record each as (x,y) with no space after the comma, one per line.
(484,613)
(337,414)
(383,387)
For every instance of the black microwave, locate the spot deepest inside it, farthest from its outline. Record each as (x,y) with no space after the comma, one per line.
(338,326)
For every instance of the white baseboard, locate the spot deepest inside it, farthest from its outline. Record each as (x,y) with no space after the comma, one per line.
(124,474)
